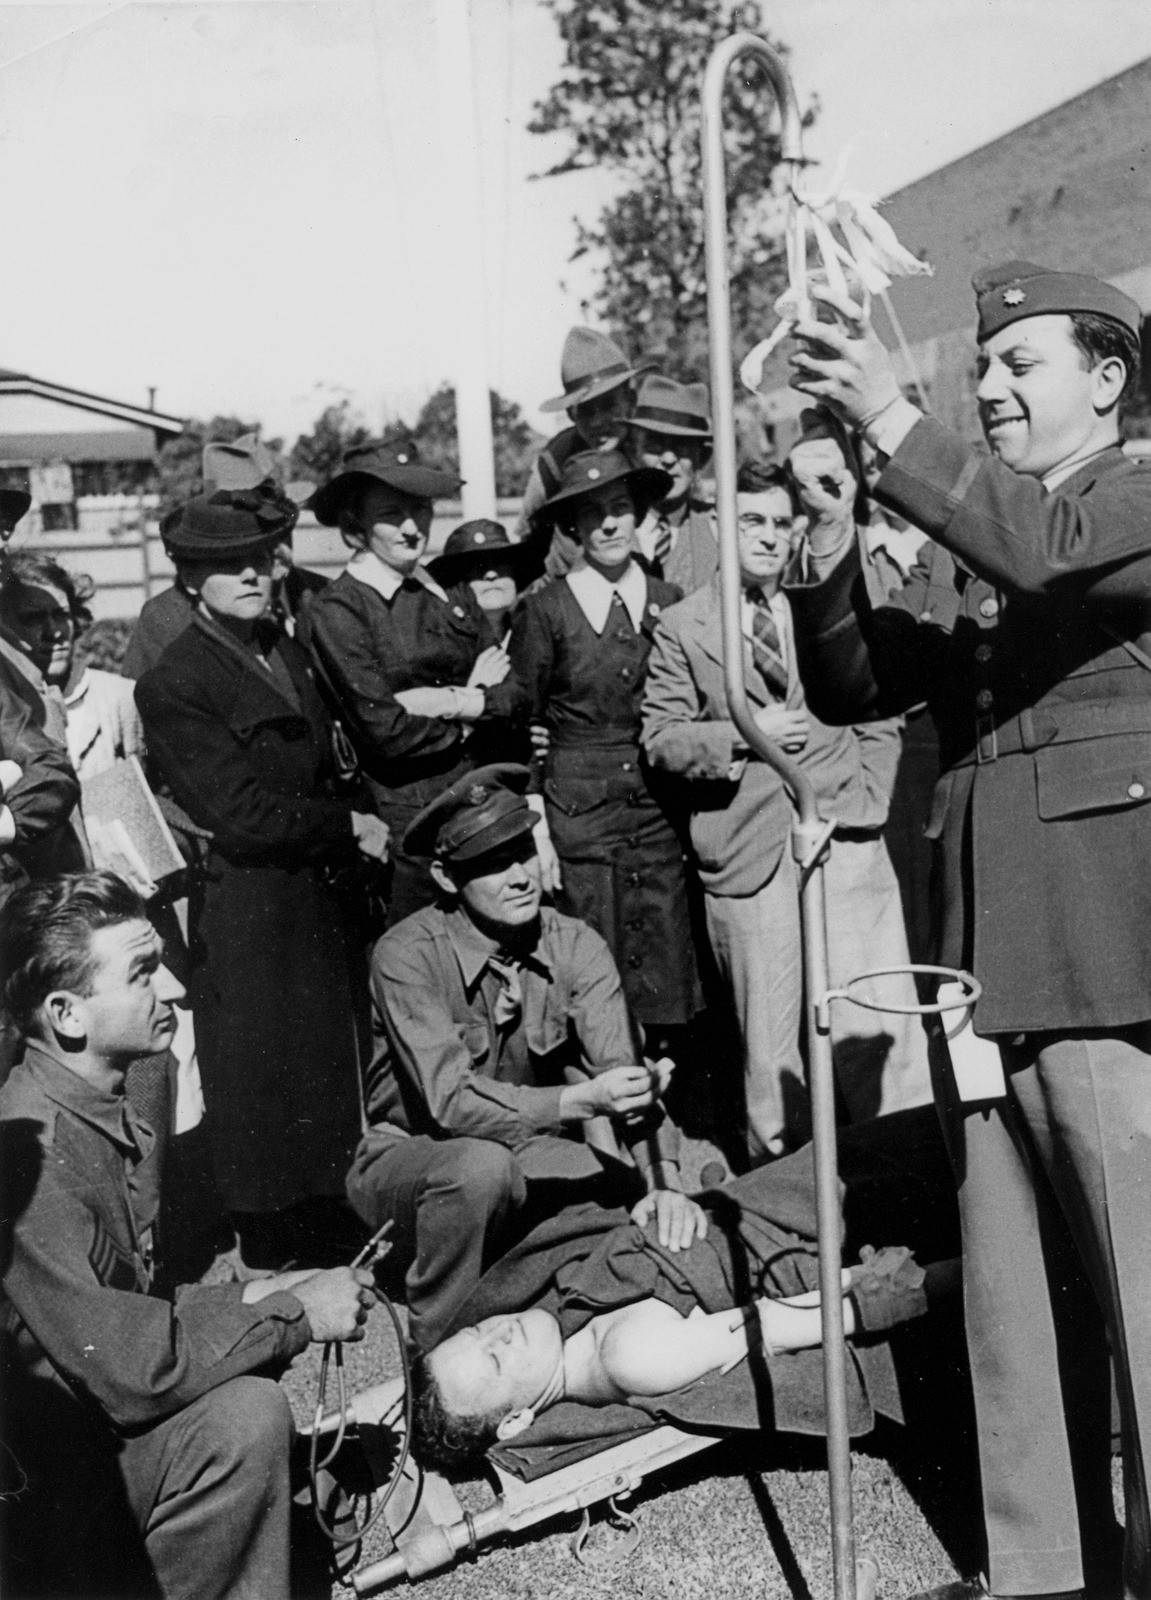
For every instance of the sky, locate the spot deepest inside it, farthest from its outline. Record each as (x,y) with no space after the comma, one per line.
(244,202)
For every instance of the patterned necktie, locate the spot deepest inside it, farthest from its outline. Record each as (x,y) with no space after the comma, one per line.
(766,648)
(662,548)
(510,1000)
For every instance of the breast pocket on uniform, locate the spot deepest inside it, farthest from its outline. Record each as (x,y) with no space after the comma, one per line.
(550,1050)
(478,1041)
(1106,774)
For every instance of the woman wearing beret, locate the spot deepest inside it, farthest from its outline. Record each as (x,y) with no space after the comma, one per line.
(579,651)
(409,664)
(237,728)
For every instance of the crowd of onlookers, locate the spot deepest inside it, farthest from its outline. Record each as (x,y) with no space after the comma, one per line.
(477,895)
(293,730)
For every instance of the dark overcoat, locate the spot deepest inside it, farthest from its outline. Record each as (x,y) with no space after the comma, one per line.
(610,817)
(248,754)
(1029,642)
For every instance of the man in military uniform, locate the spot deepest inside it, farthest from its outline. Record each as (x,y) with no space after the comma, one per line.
(671,430)
(501,1030)
(1022,628)
(125,1415)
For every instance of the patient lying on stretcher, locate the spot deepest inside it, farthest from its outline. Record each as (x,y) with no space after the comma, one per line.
(591,1311)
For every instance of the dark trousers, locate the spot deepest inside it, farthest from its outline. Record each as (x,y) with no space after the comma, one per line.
(194,1508)
(456,1206)
(1055,1204)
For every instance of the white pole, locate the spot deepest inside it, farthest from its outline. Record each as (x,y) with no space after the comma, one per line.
(461,167)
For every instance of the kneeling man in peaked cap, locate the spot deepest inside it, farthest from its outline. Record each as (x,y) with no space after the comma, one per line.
(1025,629)
(501,1034)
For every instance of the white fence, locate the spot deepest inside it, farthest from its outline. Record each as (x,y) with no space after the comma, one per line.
(118,545)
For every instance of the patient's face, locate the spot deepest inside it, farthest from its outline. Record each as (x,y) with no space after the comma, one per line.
(503,1364)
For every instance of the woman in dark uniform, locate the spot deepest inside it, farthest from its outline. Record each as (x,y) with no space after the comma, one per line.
(579,652)
(237,729)
(410,666)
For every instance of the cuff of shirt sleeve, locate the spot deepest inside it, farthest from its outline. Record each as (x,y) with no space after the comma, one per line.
(540,1108)
(7,826)
(892,426)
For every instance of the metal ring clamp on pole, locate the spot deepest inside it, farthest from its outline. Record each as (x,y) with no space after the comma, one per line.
(964,1003)
(808,831)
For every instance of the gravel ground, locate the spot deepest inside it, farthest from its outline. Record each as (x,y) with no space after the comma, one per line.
(748,1517)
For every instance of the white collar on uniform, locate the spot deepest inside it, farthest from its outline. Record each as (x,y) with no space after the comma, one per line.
(367,568)
(593,593)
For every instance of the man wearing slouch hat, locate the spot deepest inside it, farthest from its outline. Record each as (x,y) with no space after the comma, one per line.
(1024,627)
(501,1034)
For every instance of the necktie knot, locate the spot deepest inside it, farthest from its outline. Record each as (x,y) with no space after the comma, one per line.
(510,1000)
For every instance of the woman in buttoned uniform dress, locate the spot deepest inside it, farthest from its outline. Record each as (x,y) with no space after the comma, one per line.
(237,729)
(579,651)
(413,673)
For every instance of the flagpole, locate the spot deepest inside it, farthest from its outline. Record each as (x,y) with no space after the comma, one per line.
(459,145)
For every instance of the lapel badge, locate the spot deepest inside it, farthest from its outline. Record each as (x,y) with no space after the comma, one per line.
(457,611)
(653,610)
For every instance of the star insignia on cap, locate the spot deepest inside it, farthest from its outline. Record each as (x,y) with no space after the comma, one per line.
(479,538)
(1014,297)
(593,472)
(477,794)
(403,460)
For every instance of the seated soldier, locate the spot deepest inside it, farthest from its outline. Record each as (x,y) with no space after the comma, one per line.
(145,1441)
(501,1030)
(590,1309)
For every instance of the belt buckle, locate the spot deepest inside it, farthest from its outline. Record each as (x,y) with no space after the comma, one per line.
(986,741)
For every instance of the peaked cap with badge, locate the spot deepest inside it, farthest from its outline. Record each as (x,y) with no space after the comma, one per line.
(474,547)
(1017,289)
(664,406)
(481,811)
(591,365)
(591,470)
(395,463)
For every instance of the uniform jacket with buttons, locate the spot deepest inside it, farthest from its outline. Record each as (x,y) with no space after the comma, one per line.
(740,813)
(587,688)
(1016,640)
(371,648)
(80,1203)
(443,1066)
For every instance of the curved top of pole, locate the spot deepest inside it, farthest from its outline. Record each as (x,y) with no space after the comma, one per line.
(745,44)
(723,407)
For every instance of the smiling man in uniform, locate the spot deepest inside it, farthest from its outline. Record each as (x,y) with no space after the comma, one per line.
(1024,628)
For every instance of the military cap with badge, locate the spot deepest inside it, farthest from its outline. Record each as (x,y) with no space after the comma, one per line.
(480,813)
(1016,289)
